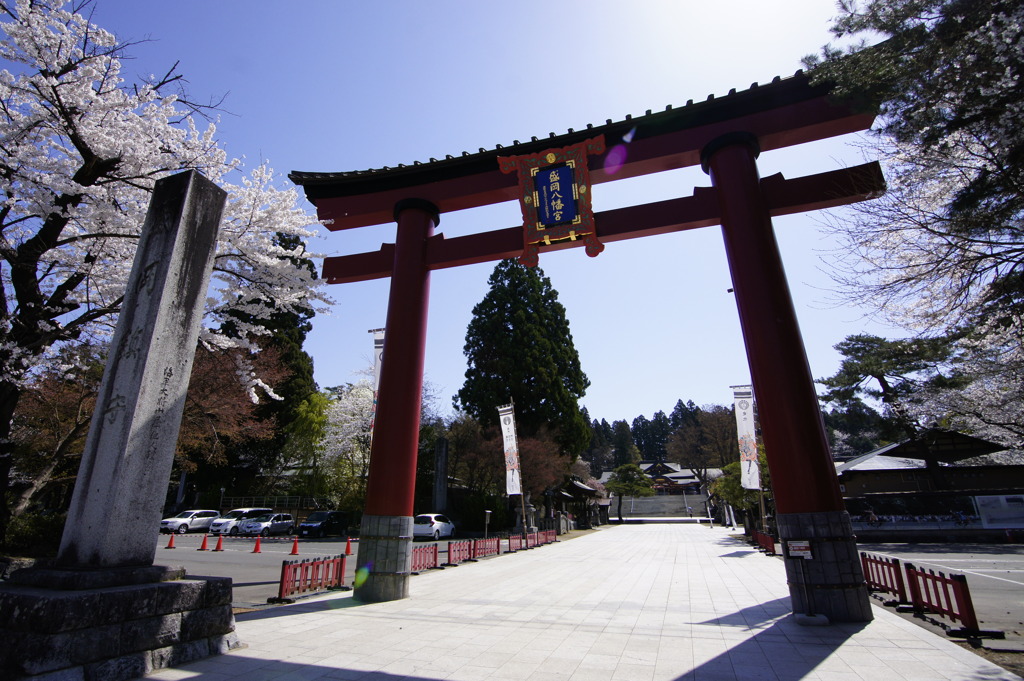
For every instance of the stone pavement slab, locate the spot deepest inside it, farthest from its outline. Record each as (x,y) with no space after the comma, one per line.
(645,602)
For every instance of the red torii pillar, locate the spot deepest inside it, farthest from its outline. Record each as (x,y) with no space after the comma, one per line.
(384,560)
(808,501)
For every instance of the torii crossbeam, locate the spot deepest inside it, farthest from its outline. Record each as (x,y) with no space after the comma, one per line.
(725,136)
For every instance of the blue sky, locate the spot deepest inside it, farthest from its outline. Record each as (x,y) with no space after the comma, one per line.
(338,85)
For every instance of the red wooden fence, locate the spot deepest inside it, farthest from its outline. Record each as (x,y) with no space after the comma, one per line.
(884,574)
(304,576)
(942,595)
(424,557)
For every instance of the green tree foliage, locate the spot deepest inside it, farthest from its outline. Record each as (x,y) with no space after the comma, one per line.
(894,372)
(519,349)
(629,480)
(650,435)
(285,335)
(729,489)
(682,415)
(854,428)
(624,451)
(600,452)
(304,450)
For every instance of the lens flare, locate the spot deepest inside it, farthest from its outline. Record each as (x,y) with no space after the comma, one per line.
(615,159)
(616,156)
(362,574)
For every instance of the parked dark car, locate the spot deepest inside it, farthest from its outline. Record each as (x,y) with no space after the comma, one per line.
(323,523)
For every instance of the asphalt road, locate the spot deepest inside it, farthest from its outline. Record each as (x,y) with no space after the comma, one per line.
(256,575)
(995,577)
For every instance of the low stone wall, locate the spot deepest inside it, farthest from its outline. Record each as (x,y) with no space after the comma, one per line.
(111,633)
(666,505)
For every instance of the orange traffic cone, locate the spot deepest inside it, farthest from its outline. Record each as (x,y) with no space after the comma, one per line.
(348,546)
(220,543)
(203,547)
(295,547)
(256,549)
(170,544)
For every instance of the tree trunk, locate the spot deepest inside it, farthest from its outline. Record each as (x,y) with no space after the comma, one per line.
(620,508)
(9,396)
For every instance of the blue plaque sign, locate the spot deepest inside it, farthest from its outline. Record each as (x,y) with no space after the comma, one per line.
(554,187)
(555,194)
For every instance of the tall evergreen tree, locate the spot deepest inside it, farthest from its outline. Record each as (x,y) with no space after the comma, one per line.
(520,350)
(625,450)
(641,429)
(598,452)
(683,415)
(659,432)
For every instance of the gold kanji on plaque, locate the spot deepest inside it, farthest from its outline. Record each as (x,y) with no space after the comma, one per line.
(554,195)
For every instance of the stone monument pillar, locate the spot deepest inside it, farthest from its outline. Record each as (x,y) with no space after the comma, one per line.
(531,516)
(104,611)
(826,580)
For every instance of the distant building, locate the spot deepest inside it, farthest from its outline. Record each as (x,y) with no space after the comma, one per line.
(669,478)
(916,483)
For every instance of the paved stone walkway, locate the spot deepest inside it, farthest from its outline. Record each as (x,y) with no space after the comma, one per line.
(630,603)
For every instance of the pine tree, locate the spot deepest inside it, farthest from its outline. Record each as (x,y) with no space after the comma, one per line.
(629,480)
(519,349)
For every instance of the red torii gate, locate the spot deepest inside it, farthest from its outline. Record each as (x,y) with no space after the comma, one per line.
(725,136)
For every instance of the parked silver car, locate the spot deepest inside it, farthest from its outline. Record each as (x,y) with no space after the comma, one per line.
(266,525)
(230,521)
(189,520)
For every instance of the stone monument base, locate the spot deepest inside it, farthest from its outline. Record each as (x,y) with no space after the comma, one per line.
(110,625)
(826,579)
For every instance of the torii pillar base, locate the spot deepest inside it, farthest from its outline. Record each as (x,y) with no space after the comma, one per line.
(384,558)
(830,583)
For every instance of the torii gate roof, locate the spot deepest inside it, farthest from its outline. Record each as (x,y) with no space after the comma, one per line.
(786,112)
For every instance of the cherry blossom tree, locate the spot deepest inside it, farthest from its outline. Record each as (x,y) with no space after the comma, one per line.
(346,446)
(942,252)
(80,150)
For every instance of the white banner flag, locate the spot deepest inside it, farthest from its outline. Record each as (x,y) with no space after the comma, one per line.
(513,476)
(750,475)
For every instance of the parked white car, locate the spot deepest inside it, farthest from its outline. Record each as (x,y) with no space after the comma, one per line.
(432,526)
(230,521)
(189,520)
(266,525)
